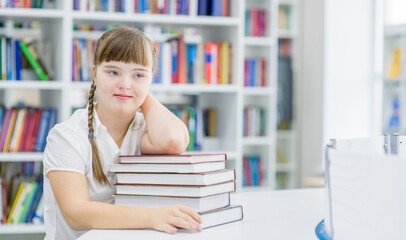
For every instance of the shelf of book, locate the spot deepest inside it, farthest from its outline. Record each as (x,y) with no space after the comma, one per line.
(286,34)
(32,13)
(257,141)
(259,41)
(22,228)
(286,134)
(27,84)
(157,18)
(21,157)
(285,167)
(259,91)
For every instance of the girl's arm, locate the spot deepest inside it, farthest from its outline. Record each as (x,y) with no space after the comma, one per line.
(166,134)
(71,192)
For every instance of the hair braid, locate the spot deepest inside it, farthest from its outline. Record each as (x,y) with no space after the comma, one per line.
(98,173)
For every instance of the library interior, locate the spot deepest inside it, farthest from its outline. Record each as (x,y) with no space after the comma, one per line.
(263,86)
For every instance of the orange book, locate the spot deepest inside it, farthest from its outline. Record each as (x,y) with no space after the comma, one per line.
(18,130)
(208,62)
(181,61)
(10,130)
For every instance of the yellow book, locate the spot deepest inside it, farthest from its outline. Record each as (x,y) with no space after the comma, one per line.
(10,130)
(396,64)
(224,63)
(18,131)
(15,203)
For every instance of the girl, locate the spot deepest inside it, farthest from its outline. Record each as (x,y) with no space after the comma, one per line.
(78,186)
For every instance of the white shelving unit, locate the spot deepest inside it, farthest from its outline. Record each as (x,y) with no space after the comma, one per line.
(230,100)
(394,87)
(287,139)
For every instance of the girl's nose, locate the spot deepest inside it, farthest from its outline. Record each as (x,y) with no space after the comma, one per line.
(125,83)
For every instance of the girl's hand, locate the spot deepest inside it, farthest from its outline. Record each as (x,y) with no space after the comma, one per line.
(168,219)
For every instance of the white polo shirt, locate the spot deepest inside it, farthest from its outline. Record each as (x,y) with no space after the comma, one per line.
(68,149)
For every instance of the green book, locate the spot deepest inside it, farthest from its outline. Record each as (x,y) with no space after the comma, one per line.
(33,62)
(27,202)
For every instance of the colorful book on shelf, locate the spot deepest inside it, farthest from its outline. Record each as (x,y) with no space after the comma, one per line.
(15,208)
(36,200)
(173,159)
(33,61)
(199,179)
(221,216)
(26,204)
(10,130)
(42,130)
(396,64)
(175,190)
(4,200)
(19,127)
(199,204)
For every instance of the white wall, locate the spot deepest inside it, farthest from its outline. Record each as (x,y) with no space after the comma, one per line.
(337,76)
(348,65)
(311,97)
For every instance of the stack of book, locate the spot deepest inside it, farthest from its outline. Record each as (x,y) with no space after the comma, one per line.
(199,181)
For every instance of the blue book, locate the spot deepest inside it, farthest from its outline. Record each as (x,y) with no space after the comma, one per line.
(52,122)
(174,45)
(191,52)
(2,113)
(254,170)
(43,127)
(9,57)
(17,59)
(105,5)
(35,202)
(216,8)
(252,73)
(202,8)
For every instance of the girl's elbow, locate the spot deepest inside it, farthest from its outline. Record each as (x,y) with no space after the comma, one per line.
(177,145)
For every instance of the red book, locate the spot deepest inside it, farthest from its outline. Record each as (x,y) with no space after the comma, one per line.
(175,64)
(254,21)
(181,61)
(27,123)
(247,172)
(218,62)
(225,10)
(34,132)
(208,62)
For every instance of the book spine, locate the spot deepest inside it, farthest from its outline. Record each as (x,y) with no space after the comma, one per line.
(34,63)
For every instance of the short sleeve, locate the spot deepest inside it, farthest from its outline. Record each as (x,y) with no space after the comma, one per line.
(65,151)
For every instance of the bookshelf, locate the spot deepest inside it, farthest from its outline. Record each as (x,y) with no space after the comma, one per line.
(393,80)
(230,100)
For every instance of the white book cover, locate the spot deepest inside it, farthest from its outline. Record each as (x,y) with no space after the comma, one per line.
(199,179)
(175,190)
(221,216)
(199,204)
(168,167)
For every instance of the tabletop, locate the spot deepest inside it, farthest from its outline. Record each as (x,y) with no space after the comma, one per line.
(278,214)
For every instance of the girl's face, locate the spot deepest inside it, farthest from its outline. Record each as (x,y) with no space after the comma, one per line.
(122,87)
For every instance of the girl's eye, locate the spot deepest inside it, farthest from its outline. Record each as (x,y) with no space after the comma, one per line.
(139,75)
(113,73)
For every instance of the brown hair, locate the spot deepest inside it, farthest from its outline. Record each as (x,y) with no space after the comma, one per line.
(124,44)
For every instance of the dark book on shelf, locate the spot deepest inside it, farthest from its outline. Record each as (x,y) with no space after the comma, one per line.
(285,93)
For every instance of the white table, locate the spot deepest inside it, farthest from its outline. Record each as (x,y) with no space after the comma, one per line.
(282,214)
